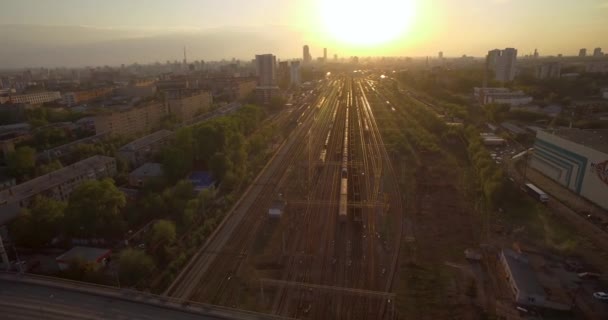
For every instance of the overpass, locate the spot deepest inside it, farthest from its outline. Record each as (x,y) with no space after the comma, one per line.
(38,297)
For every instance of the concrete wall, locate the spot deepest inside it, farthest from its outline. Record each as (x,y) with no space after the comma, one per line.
(572,165)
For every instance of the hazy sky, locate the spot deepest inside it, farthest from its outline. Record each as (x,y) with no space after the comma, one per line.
(453,26)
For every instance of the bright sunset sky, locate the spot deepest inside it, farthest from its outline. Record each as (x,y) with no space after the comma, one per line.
(374,27)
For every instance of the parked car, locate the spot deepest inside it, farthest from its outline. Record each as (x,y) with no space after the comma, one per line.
(600,295)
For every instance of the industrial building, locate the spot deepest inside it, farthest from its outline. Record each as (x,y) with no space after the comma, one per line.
(522,280)
(576,159)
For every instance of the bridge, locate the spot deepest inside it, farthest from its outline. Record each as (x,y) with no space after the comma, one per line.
(38,297)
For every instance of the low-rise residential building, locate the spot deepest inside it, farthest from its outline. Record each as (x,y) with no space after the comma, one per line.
(186,104)
(94,257)
(501,96)
(130,120)
(147,171)
(230,88)
(33,98)
(58,184)
(141,150)
(76,97)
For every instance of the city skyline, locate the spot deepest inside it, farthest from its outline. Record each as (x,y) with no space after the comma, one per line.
(59,32)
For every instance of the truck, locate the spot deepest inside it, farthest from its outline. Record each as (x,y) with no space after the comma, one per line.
(536,193)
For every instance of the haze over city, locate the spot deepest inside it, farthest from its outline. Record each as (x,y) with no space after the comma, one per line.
(304,159)
(79,33)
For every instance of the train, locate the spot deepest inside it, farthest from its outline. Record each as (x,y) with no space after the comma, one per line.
(343,205)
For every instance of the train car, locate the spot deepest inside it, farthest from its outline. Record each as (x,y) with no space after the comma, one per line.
(343,205)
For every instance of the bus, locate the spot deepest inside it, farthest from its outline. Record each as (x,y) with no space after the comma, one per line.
(536,193)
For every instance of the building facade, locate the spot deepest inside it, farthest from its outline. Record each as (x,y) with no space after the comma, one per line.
(186,104)
(577,159)
(131,121)
(35,98)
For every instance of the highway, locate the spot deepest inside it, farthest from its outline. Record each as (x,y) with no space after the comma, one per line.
(35,297)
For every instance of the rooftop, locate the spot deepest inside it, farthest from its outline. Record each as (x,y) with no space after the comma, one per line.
(594,139)
(523,275)
(146,140)
(86,253)
(148,169)
(57,177)
(201,180)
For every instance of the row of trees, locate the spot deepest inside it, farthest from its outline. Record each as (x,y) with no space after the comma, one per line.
(491,176)
(93,210)
(220,144)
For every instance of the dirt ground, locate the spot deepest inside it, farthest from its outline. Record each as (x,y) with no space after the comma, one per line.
(432,286)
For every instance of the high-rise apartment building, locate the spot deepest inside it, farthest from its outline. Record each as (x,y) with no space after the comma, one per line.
(502,62)
(266,70)
(296,79)
(549,70)
(597,52)
(306,55)
(582,52)
(267,78)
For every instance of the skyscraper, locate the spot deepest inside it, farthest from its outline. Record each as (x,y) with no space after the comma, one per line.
(440,55)
(324,54)
(597,52)
(502,62)
(306,54)
(582,52)
(535,53)
(266,69)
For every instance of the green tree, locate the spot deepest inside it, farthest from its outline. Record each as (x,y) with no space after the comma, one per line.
(162,233)
(94,209)
(134,266)
(21,162)
(219,165)
(36,226)
(50,167)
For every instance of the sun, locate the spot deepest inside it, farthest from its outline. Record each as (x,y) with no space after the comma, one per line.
(366,22)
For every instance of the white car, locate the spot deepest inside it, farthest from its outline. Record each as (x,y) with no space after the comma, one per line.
(600,295)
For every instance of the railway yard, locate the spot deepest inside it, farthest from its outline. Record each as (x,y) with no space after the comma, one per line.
(333,251)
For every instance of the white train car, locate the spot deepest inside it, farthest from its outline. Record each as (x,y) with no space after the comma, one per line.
(343,205)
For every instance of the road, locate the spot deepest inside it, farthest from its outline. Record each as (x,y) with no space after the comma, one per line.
(34,297)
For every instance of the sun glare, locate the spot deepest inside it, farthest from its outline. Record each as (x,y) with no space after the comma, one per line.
(366,22)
